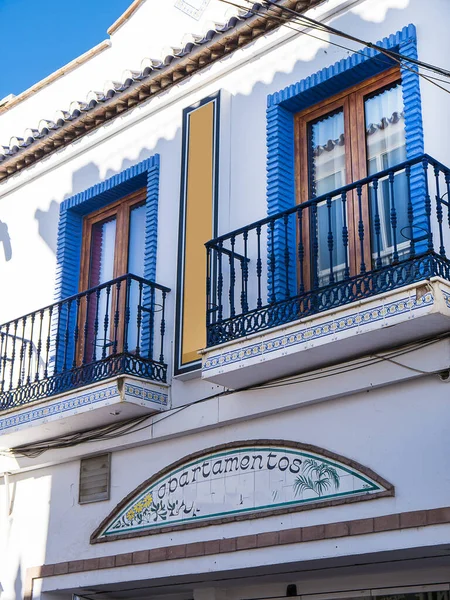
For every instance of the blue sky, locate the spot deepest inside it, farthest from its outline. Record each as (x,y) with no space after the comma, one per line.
(40,36)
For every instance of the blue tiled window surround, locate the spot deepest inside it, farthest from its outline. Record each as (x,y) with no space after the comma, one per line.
(282,105)
(72,211)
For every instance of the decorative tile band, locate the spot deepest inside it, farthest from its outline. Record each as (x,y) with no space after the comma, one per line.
(59,407)
(446,297)
(147,394)
(311,333)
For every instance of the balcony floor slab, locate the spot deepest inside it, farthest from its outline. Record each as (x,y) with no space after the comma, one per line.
(110,401)
(404,315)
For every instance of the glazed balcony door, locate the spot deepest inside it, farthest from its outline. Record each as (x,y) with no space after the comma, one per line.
(113,245)
(353,135)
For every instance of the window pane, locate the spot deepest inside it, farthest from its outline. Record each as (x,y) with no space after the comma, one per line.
(327,154)
(136,244)
(327,173)
(99,308)
(385,129)
(102,252)
(385,143)
(137,294)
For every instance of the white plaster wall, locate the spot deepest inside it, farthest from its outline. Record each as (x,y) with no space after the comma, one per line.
(392,430)
(23,529)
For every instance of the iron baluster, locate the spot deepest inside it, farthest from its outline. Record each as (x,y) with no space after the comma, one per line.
(258,266)
(116,318)
(127,313)
(412,244)
(345,234)
(393,216)
(447,183)
(58,325)
(13,354)
(163,326)
(232,277)
(287,292)
(315,245)
(66,334)
(244,268)
(39,345)
(5,357)
(22,353)
(272,260)
(76,332)
(48,342)
(330,239)
(361,228)
(300,251)
(139,320)
(151,323)
(86,327)
(219,283)
(439,212)
(3,343)
(96,324)
(427,206)
(30,348)
(377,224)
(105,344)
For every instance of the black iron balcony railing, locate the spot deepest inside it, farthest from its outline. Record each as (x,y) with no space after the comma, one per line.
(115,328)
(377,234)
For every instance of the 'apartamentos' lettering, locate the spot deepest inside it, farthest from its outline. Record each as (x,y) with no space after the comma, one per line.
(238,480)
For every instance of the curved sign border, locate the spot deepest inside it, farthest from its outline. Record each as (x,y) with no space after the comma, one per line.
(353,467)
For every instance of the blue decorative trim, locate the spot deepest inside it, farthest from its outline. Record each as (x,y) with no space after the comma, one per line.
(72,211)
(309,332)
(61,406)
(282,105)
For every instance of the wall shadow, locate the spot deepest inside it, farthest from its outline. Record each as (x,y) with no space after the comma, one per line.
(48,224)
(5,241)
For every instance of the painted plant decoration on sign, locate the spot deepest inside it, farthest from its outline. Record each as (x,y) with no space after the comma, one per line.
(316,476)
(240,478)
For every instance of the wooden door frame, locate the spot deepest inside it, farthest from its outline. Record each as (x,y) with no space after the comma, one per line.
(121,209)
(351,101)
(302,120)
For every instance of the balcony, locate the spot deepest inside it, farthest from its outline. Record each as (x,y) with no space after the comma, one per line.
(112,332)
(353,261)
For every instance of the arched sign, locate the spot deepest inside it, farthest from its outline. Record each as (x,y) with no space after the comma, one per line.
(240,478)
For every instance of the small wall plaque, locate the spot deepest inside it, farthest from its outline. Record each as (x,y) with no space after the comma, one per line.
(193,8)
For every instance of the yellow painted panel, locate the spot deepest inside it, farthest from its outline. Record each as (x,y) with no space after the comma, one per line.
(198,229)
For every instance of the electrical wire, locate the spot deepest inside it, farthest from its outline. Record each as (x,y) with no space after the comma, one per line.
(360,364)
(104,433)
(135,425)
(329,28)
(316,25)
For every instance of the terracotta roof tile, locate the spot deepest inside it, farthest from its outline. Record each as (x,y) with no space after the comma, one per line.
(137,86)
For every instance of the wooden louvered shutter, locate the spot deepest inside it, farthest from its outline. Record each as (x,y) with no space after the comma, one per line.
(95,479)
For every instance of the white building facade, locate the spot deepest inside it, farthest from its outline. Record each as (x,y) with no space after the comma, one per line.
(225,308)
